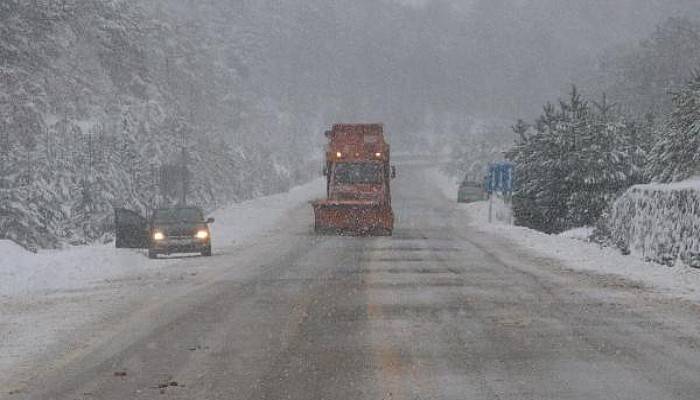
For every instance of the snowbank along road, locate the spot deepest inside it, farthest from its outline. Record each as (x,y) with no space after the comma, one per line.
(438,311)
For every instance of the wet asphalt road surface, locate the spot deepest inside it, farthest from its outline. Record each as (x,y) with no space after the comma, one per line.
(438,311)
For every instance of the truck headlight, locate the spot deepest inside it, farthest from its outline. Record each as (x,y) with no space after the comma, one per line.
(202,235)
(158,236)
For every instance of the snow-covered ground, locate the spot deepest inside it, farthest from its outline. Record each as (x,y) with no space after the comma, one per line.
(26,273)
(23,273)
(242,221)
(46,297)
(571,249)
(583,233)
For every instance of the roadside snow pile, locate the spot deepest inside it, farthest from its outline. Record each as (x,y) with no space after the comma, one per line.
(236,222)
(658,222)
(23,272)
(501,212)
(583,234)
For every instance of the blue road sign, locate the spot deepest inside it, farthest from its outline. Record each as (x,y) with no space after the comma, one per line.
(500,177)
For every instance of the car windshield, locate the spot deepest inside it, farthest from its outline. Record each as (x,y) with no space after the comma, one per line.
(169,215)
(349,173)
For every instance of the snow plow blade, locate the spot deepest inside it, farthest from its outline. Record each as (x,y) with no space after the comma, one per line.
(355,218)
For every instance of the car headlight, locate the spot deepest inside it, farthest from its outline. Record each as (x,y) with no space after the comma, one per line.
(202,235)
(158,236)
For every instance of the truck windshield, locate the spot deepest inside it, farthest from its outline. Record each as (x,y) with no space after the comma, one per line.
(351,173)
(171,215)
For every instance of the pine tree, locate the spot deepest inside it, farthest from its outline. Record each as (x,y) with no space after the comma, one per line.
(576,160)
(676,155)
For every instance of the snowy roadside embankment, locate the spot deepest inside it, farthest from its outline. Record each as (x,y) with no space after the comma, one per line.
(573,250)
(23,272)
(240,221)
(659,222)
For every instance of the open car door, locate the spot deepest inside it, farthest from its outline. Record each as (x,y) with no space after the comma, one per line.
(131,230)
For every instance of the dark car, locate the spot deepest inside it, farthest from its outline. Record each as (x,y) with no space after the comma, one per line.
(470,191)
(170,230)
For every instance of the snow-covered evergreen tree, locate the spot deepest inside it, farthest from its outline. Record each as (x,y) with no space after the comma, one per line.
(574,162)
(676,155)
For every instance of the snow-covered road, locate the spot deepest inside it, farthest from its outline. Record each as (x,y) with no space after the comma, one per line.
(446,308)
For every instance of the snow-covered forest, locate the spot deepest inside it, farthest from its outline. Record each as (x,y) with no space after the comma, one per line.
(642,126)
(98,100)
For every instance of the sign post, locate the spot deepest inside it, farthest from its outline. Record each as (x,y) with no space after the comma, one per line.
(499,179)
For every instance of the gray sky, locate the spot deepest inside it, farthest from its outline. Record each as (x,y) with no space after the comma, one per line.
(496,57)
(400,60)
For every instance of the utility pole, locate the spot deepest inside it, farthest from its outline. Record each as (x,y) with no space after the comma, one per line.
(63,156)
(184,154)
(155,188)
(4,152)
(28,181)
(90,155)
(49,150)
(183,172)
(183,147)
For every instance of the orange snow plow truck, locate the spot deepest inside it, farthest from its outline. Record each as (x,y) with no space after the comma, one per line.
(357,174)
